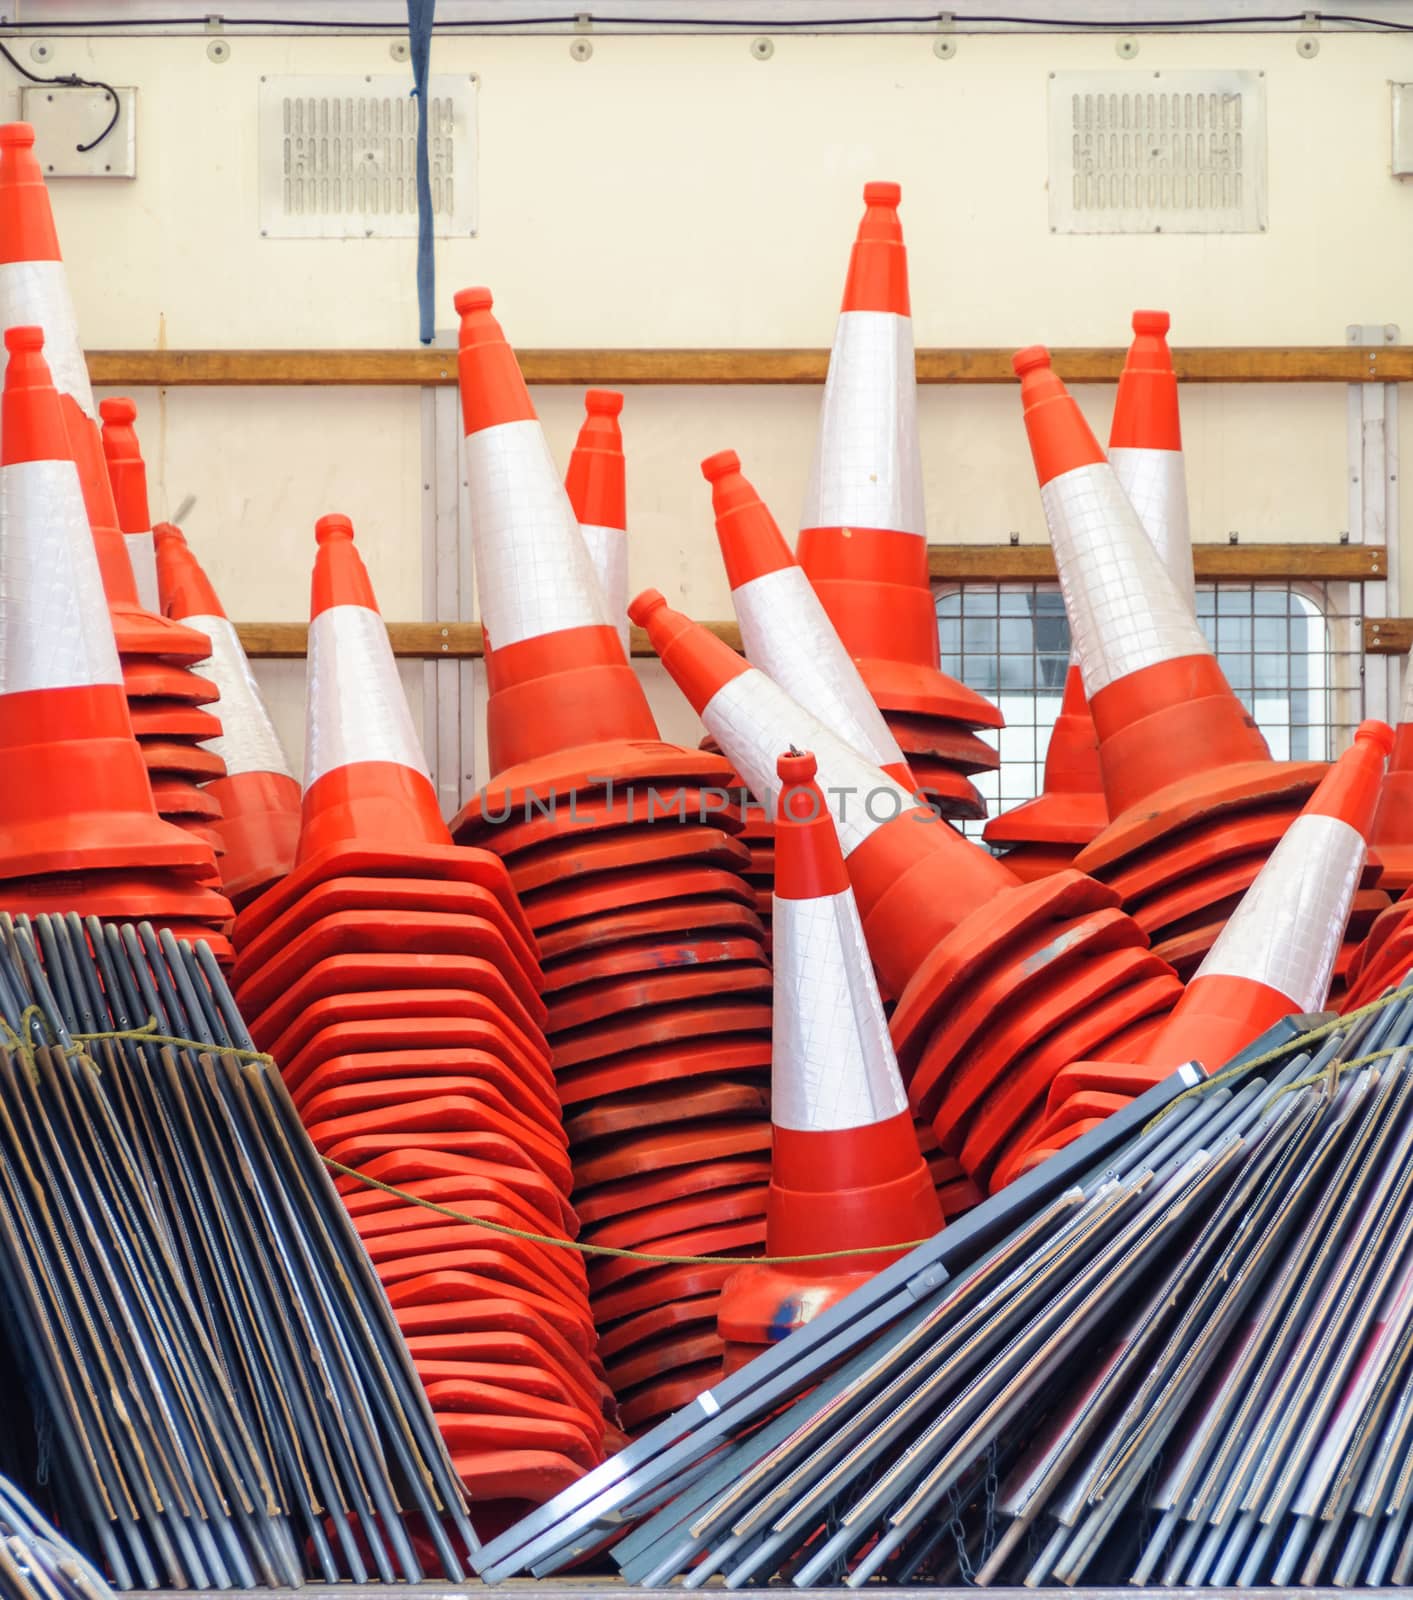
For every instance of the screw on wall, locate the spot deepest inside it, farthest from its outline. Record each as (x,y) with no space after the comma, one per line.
(945,48)
(1126,49)
(40,52)
(581,49)
(762,49)
(1308,48)
(218,51)
(400,50)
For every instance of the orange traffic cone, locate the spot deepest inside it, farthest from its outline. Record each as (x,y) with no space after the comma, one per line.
(127,473)
(79,830)
(259,796)
(1276,954)
(166,698)
(1196,801)
(998,981)
(1145,447)
(863,543)
(395,978)
(595,484)
(845,1168)
(1145,451)
(625,852)
(1393,822)
(1044,835)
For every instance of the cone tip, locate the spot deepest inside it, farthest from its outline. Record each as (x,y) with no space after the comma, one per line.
(720,464)
(1151,322)
(332,527)
(117,408)
(1027,360)
(602,402)
(168,533)
(796,766)
(26,337)
(882,194)
(479,299)
(16,133)
(1375,733)
(645,605)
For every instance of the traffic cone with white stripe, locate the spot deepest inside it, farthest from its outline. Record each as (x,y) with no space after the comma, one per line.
(1197,804)
(863,540)
(595,484)
(78,828)
(845,1168)
(259,795)
(396,975)
(998,981)
(626,855)
(171,704)
(1276,955)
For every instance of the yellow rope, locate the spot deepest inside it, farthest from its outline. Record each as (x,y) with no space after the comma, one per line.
(148,1034)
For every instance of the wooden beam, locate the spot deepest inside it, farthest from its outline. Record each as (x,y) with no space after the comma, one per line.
(419,641)
(418,368)
(1388,636)
(1253,563)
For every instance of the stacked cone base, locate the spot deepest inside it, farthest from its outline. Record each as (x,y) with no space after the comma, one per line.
(758,835)
(657,989)
(1041,975)
(399,990)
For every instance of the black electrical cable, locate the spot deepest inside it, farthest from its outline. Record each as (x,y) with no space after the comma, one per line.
(763,24)
(71,80)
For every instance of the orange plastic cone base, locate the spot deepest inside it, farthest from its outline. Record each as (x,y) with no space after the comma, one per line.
(259,831)
(1392,836)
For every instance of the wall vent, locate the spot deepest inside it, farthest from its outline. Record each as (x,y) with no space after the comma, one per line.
(1157,152)
(338,157)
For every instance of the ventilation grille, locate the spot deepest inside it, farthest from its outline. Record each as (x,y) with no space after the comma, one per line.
(1157,152)
(338,157)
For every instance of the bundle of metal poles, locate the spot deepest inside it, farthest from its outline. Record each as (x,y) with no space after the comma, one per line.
(1182,1352)
(216,1389)
(36,1561)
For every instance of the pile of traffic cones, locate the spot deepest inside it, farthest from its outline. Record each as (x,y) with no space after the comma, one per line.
(1274,956)
(863,539)
(845,1169)
(394,978)
(79,830)
(259,795)
(999,984)
(624,854)
(786,632)
(1197,804)
(167,699)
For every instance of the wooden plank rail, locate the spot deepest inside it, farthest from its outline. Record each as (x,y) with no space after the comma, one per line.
(417,368)
(962,563)
(1388,636)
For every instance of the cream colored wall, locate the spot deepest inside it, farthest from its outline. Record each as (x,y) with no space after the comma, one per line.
(680,192)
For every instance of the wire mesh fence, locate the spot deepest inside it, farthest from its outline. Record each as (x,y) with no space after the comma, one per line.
(1292,651)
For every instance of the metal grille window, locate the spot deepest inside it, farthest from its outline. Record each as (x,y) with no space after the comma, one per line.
(1292,652)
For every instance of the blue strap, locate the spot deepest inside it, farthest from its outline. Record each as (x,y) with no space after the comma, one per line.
(419,36)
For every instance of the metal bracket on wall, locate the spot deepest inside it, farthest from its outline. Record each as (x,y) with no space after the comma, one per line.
(1373,502)
(448,592)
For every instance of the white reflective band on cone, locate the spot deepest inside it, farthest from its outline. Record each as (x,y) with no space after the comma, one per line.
(867,470)
(36,294)
(142,555)
(533,573)
(608,550)
(356,708)
(55,632)
(787,633)
(833,1065)
(1124,610)
(1155,482)
(1289,926)
(755,722)
(248,741)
